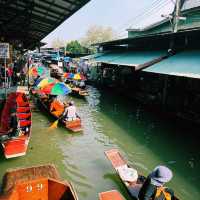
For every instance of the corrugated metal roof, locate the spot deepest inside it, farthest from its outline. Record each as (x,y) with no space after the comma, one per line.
(186,64)
(92,56)
(190,4)
(130,58)
(30,21)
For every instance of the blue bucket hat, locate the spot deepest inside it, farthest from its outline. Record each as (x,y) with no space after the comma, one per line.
(161,175)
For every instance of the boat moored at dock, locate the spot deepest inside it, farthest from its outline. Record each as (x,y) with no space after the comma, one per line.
(16,144)
(39,182)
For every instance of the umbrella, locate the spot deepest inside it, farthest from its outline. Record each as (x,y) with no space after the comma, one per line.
(38,81)
(38,71)
(46,81)
(56,89)
(77,77)
(69,75)
(66,75)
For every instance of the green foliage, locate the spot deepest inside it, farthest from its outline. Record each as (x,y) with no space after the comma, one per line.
(75,47)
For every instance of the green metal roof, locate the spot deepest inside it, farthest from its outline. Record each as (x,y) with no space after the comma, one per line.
(130,58)
(92,56)
(186,64)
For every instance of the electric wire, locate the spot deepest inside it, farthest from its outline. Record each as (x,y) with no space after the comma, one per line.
(143,12)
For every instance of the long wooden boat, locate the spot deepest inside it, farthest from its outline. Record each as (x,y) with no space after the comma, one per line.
(16,146)
(111,195)
(78,92)
(74,126)
(36,183)
(117,162)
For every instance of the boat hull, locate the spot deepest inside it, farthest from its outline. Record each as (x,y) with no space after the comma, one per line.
(110,195)
(16,146)
(118,161)
(74,126)
(78,92)
(39,182)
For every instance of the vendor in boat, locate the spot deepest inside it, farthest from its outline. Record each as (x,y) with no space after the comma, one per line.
(82,84)
(13,131)
(56,107)
(153,189)
(70,112)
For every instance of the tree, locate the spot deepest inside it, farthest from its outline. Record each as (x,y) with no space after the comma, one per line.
(75,47)
(57,43)
(97,34)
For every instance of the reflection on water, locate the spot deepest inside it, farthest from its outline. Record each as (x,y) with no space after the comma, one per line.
(112,122)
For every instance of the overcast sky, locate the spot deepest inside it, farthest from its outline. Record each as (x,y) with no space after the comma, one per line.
(118,14)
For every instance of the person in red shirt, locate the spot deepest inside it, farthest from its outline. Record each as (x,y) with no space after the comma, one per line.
(9,72)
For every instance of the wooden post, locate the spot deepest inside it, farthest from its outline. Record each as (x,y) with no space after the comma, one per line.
(5,76)
(164,95)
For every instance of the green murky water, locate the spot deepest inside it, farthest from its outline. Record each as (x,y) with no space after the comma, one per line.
(112,122)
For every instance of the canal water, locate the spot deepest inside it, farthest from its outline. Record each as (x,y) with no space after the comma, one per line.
(110,121)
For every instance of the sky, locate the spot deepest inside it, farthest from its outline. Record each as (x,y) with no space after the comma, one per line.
(118,14)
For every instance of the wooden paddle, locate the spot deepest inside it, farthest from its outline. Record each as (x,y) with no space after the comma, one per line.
(54,124)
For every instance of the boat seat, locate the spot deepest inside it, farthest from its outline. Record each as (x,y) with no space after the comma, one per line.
(23,123)
(23,115)
(23,109)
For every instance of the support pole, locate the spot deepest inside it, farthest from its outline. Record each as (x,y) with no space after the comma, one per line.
(176,15)
(28,72)
(5,76)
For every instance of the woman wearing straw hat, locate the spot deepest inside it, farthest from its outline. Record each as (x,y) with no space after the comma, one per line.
(153,189)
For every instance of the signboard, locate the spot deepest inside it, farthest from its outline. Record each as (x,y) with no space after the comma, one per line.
(60,64)
(4,50)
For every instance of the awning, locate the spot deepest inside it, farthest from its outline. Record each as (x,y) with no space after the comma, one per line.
(92,56)
(186,64)
(130,58)
(29,21)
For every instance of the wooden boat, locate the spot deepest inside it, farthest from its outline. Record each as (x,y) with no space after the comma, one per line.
(36,183)
(78,92)
(110,195)
(16,146)
(74,126)
(118,161)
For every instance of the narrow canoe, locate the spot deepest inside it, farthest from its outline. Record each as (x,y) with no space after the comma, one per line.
(74,126)
(16,146)
(110,195)
(40,182)
(118,161)
(78,92)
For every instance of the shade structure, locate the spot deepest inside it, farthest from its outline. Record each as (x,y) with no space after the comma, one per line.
(185,64)
(46,81)
(69,75)
(77,77)
(56,89)
(38,71)
(28,22)
(129,58)
(38,81)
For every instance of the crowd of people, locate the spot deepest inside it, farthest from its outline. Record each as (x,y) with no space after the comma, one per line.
(13,74)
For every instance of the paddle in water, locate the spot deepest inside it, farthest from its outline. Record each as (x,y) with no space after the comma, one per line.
(54,124)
